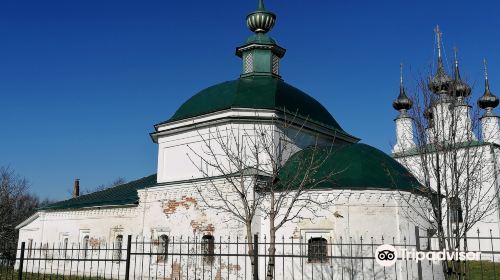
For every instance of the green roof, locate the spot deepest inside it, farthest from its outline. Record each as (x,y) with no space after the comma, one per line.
(260,38)
(256,93)
(119,195)
(353,166)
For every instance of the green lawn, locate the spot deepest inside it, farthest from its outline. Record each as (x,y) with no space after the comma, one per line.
(11,274)
(485,271)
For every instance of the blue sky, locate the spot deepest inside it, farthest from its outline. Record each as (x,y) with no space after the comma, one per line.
(83,82)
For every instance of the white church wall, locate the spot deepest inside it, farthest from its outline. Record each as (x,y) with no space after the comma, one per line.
(354,217)
(101,225)
(180,155)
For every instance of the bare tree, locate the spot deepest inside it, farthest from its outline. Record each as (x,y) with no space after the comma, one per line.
(247,175)
(451,162)
(16,205)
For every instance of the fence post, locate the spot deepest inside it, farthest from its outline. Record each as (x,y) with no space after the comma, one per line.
(417,244)
(127,260)
(255,257)
(21,262)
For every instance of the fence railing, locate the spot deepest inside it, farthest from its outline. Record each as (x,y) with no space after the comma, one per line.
(206,257)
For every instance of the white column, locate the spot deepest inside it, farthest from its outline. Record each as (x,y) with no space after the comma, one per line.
(463,124)
(490,129)
(404,134)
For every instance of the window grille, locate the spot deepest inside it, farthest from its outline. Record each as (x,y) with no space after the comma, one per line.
(276,64)
(85,245)
(163,242)
(316,250)
(248,65)
(207,248)
(117,253)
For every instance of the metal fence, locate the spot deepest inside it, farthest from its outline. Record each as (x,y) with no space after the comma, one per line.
(178,258)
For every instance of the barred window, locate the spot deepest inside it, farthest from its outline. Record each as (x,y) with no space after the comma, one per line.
(316,250)
(65,247)
(163,242)
(30,247)
(85,246)
(207,248)
(117,252)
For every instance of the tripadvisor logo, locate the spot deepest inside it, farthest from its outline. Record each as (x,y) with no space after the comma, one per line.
(387,255)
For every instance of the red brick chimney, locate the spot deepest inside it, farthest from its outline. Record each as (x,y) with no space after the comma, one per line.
(76,188)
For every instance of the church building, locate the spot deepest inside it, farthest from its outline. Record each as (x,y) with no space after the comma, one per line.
(239,146)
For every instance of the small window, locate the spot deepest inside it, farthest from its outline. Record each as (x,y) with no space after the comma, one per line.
(456,210)
(117,254)
(276,64)
(85,246)
(248,64)
(30,247)
(207,248)
(65,247)
(316,250)
(163,242)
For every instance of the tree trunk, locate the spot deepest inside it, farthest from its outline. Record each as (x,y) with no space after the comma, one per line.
(250,246)
(272,252)
(272,242)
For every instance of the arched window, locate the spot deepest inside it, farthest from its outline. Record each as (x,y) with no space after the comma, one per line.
(207,248)
(117,254)
(85,245)
(317,250)
(162,248)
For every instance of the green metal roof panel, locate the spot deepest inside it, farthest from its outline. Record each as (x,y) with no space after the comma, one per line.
(353,166)
(119,195)
(256,93)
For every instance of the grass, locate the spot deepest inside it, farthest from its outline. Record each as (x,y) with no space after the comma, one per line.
(483,271)
(11,274)
(478,271)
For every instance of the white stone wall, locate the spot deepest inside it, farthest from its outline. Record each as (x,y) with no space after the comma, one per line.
(177,210)
(180,156)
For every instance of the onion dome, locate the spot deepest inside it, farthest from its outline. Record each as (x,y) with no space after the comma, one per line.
(488,101)
(261,21)
(402,102)
(459,87)
(440,83)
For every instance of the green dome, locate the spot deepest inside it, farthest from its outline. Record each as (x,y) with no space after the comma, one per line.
(353,166)
(256,92)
